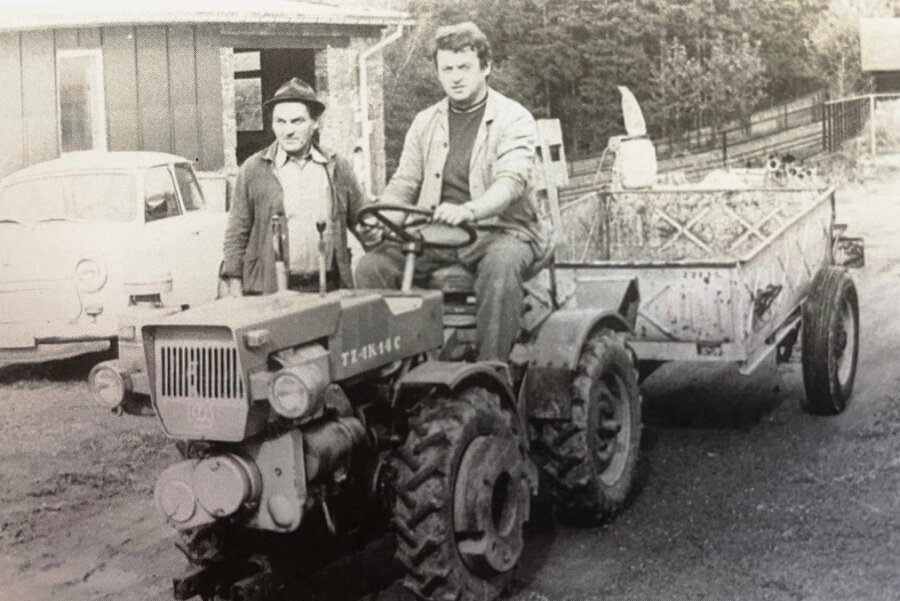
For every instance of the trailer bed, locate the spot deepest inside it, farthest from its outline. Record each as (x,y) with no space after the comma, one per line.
(722,274)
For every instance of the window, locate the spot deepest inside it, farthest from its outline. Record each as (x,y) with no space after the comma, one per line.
(190,189)
(82,119)
(248,90)
(160,197)
(94,197)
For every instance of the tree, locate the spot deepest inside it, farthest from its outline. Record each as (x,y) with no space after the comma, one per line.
(676,93)
(734,80)
(835,43)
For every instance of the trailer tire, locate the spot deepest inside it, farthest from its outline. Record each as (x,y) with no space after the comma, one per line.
(590,461)
(462,498)
(830,341)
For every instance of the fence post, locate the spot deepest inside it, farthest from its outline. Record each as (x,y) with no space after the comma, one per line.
(824,127)
(724,149)
(872,123)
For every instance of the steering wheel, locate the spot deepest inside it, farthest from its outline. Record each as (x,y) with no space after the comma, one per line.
(416,227)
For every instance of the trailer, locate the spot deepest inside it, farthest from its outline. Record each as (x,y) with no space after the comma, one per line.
(730,275)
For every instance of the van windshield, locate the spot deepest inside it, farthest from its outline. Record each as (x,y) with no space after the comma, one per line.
(94,197)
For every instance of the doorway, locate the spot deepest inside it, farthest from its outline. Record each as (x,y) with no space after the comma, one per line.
(257,75)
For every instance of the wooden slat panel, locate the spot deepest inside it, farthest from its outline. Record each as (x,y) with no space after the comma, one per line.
(183,92)
(209,100)
(90,38)
(153,87)
(39,96)
(119,73)
(11,124)
(66,39)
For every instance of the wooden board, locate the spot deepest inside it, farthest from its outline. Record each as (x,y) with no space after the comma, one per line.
(183,92)
(209,100)
(90,38)
(41,122)
(120,77)
(153,87)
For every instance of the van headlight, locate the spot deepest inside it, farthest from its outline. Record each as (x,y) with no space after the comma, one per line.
(90,276)
(296,391)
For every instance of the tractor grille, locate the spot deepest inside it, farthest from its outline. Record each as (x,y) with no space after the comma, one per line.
(199,371)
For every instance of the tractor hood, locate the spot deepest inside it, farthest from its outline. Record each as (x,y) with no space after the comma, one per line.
(209,366)
(256,325)
(319,312)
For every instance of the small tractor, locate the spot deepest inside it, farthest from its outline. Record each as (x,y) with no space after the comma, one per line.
(336,412)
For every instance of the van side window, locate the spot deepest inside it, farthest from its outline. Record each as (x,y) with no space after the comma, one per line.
(190,189)
(160,197)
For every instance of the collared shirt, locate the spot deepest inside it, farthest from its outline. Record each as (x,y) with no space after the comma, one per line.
(307,200)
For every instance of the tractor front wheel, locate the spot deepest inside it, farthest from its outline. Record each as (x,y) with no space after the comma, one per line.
(462,497)
(590,460)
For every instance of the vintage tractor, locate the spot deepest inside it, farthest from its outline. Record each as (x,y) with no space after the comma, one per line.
(299,413)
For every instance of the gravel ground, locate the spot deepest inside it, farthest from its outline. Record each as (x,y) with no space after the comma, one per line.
(742,495)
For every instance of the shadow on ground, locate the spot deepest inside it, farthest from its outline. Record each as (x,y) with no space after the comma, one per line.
(63,370)
(709,397)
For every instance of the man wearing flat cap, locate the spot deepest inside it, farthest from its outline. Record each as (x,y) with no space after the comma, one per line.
(306,185)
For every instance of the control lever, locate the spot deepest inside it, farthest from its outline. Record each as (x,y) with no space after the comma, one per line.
(281,279)
(323,284)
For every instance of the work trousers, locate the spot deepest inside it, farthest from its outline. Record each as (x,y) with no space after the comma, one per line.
(498,259)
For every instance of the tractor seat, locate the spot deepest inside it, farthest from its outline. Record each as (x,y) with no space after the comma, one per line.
(453,280)
(458,286)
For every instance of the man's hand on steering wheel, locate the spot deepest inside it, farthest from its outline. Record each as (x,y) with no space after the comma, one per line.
(453,214)
(416,225)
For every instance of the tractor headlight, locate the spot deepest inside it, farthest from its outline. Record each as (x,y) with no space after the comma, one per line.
(295,391)
(108,385)
(89,275)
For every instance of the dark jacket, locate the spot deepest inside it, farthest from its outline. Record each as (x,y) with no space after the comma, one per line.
(258,196)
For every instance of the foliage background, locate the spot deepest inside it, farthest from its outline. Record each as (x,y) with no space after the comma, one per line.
(690,63)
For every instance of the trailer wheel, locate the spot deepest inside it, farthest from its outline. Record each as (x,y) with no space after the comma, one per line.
(462,498)
(590,462)
(830,340)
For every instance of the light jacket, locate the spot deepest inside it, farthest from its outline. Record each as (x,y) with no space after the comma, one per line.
(258,196)
(504,147)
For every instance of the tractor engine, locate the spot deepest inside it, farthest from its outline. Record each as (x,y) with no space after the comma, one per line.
(254,388)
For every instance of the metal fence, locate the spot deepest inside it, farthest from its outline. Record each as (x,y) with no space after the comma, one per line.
(874,118)
(844,119)
(716,149)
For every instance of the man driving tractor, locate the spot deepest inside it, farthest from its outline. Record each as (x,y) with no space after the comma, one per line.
(470,159)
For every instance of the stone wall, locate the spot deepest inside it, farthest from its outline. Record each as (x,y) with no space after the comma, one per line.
(229,122)
(337,79)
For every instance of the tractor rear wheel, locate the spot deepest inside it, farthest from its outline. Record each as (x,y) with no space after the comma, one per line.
(590,461)
(830,341)
(462,497)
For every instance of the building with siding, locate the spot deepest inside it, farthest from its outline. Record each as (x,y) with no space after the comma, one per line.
(879,41)
(184,76)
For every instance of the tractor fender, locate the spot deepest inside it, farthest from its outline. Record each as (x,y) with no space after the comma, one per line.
(554,356)
(455,375)
(559,341)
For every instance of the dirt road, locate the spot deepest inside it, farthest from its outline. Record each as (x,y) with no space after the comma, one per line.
(743,495)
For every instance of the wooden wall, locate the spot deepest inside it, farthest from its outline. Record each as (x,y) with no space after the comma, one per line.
(162,91)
